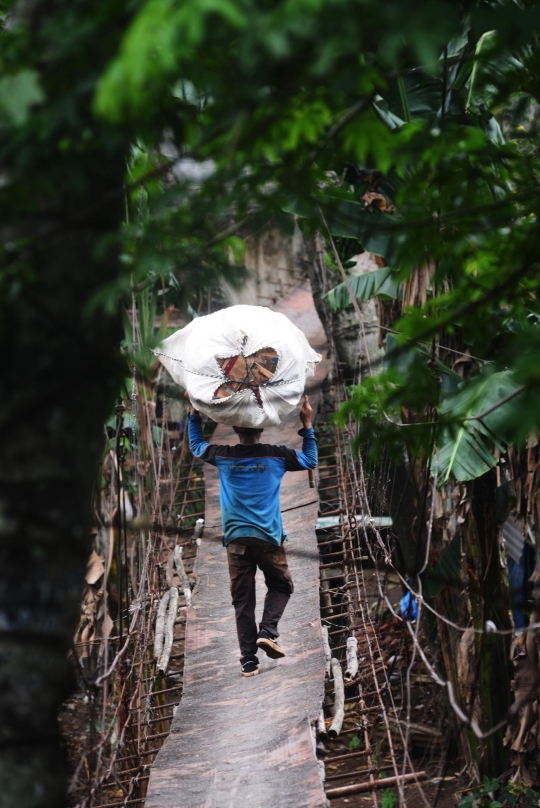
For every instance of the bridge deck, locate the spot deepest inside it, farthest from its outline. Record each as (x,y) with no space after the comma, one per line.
(238,742)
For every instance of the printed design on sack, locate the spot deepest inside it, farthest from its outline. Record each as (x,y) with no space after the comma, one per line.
(260,467)
(247,372)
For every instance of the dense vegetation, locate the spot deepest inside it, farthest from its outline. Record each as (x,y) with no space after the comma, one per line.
(139,140)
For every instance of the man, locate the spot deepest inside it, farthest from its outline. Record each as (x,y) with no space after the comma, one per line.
(250,476)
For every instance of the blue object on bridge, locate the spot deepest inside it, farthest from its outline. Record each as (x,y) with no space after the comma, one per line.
(409,607)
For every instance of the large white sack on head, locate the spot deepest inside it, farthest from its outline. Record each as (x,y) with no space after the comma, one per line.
(192,356)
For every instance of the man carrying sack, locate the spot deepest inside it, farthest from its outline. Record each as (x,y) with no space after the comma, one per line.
(250,476)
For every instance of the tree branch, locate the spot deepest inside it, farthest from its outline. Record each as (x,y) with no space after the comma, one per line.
(509,397)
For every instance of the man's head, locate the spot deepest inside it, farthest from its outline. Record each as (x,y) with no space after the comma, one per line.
(248,435)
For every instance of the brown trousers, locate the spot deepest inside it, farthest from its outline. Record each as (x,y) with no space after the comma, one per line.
(244,556)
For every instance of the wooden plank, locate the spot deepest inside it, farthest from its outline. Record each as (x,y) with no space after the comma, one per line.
(237,741)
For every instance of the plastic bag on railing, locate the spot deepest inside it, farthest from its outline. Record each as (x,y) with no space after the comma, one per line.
(244,365)
(409,607)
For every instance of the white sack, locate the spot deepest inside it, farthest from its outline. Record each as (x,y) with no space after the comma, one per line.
(191,357)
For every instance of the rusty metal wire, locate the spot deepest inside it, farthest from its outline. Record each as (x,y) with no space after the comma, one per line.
(355,608)
(347,609)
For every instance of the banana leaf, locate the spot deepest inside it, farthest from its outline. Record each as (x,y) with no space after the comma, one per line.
(406,361)
(349,219)
(391,119)
(492,65)
(446,571)
(417,96)
(464,447)
(382,283)
(463,454)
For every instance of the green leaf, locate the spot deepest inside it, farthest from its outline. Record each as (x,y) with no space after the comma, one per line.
(18,93)
(498,387)
(371,228)
(407,361)
(404,100)
(392,120)
(462,451)
(349,219)
(163,33)
(354,742)
(388,799)
(446,571)
(492,66)
(129,421)
(237,247)
(416,97)
(491,784)
(485,45)
(464,455)
(379,282)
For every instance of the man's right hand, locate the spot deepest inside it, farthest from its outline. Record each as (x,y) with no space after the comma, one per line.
(306,413)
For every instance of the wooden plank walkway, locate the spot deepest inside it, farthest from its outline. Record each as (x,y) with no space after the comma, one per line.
(234,741)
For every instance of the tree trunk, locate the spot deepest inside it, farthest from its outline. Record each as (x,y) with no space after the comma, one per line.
(60,203)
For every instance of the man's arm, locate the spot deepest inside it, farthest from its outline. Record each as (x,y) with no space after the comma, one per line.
(308,457)
(198,445)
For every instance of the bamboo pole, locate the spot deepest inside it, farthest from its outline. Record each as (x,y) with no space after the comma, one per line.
(351,671)
(339,704)
(334,758)
(184,580)
(169,630)
(160,624)
(169,570)
(359,772)
(385,782)
(197,533)
(325,596)
(327,652)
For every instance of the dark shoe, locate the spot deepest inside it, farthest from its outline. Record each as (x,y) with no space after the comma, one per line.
(250,668)
(269,645)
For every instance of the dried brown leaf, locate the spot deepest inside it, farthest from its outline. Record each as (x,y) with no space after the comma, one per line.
(94,569)
(465,662)
(106,626)
(375,201)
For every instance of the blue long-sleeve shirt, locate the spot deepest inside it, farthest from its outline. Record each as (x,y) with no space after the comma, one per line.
(250,481)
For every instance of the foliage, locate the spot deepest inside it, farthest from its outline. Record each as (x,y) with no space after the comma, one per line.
(512,794)
(482,795)
(388,799)
(354,742)
(140,143)
(462,450)
(465,205)
(376,427)
(446,571)
(377,283)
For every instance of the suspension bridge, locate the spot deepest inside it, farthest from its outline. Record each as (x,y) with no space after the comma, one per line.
(237,741)
(199,735)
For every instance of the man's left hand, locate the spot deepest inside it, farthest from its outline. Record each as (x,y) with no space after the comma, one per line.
(192,410)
